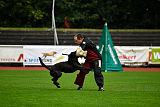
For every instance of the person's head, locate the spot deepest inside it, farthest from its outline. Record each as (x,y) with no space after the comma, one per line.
(78,38)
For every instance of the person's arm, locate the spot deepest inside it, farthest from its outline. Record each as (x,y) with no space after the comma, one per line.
(83,45)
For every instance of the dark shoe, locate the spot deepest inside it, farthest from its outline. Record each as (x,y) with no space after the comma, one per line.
(57,84)
(101,89)
(79,88)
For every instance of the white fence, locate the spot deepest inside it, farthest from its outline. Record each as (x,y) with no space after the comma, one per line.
(11,54)
(28,55)
(31,54)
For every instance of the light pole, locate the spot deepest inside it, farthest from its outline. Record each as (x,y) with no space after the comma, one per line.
(54,26)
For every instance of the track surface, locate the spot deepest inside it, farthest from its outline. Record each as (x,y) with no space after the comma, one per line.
(42,68)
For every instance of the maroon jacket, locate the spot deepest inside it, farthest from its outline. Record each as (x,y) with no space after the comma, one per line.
(92,52)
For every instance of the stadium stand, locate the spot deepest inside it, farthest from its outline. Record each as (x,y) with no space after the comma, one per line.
(120,38)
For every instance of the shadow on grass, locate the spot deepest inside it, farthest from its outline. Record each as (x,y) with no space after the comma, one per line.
(71,89)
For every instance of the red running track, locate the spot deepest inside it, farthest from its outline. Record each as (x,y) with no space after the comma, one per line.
(42,68)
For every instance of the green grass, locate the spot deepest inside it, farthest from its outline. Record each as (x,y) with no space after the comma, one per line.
(122,89)
(75,29)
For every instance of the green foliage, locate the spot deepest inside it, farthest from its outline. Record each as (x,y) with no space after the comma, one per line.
(121,14)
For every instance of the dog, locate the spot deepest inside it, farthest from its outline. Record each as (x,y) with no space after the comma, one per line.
(69,66)
(49,54)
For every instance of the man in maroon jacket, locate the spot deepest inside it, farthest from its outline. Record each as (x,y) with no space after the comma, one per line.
(93,60)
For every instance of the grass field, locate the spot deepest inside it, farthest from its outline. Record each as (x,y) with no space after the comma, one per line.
(122,89)
(65,29)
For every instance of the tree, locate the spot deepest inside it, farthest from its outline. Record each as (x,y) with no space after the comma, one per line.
(119,14)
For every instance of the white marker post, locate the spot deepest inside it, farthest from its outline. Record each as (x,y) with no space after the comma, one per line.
(54,26)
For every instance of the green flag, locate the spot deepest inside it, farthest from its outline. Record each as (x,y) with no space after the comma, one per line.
(110,60)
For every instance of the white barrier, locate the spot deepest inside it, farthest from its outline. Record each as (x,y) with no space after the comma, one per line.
(31,54)
(133,55)
(128,55)
(11,54)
